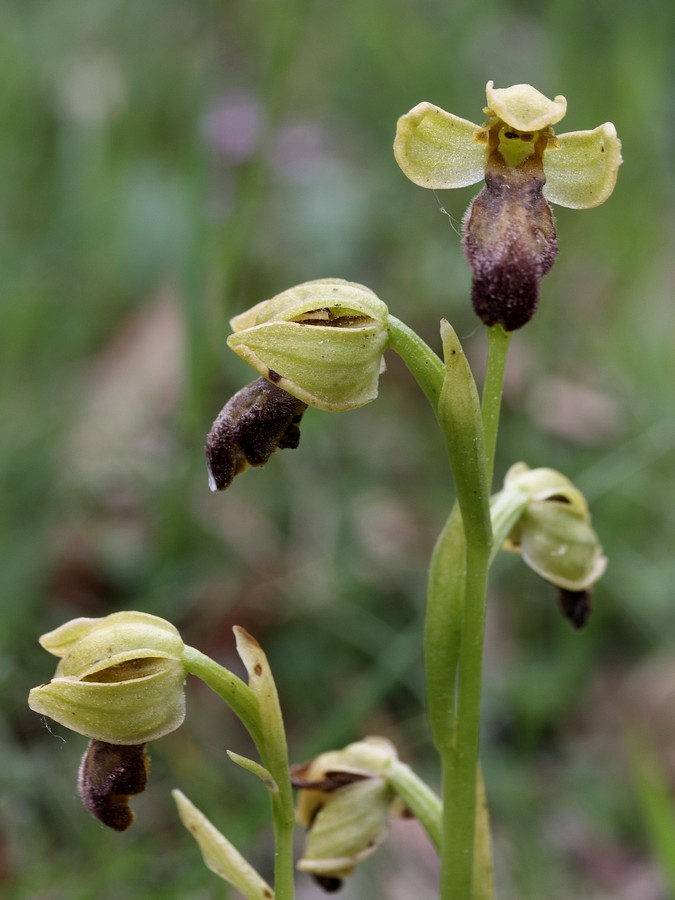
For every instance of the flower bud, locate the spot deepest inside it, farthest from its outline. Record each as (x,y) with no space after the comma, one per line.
(553,534)
(322,341)
(345,802)
(120,679)
(258,420)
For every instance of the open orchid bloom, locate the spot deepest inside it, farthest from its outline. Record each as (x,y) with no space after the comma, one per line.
(437,149)
(508,234)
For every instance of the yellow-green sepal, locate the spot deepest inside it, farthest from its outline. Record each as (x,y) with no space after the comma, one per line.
(436,149)
(581,167)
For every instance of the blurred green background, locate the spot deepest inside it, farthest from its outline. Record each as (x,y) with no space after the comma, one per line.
(164,165)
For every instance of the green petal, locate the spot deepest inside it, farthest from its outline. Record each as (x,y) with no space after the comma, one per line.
(438,150)
(335,294)
(333,369)
(524,107)
(558,544)
(581,167)
(129,628)
(348,828)
(114,640)
(131,712)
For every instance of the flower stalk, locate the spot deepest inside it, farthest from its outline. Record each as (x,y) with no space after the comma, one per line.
(257,706)
(456,595)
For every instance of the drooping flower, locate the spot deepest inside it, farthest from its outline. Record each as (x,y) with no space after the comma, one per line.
(546,519)
(345,802)
(321,341)
(509,233)
(120,679)
(120,682)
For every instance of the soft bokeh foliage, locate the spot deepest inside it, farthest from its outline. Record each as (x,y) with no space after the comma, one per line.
(165,165)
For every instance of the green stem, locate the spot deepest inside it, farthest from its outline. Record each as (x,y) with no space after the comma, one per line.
(274,754)
(235,692)
(270,741)
(425,366)
(283,820)
(493,388)
(460,760)
(419,798)
(457,588)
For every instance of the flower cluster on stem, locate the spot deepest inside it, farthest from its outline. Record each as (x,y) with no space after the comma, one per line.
(321,344)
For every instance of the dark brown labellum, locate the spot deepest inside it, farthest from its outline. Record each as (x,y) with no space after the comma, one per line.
(575,606)
(110,775)
(331,781)
(258,420)
(329,883)
(510,242)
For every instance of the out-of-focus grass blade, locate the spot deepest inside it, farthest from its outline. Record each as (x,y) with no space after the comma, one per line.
(657,804)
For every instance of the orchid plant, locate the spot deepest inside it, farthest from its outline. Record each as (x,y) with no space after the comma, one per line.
(120,680)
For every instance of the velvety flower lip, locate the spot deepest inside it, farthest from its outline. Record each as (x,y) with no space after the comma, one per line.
(438,150)
(258,420)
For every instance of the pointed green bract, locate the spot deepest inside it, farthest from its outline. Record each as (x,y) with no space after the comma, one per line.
(219,855)
(255,769)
